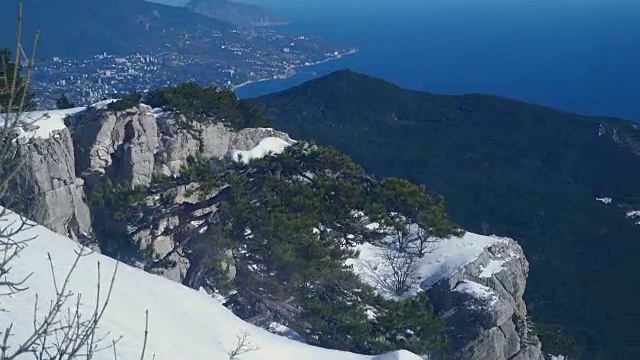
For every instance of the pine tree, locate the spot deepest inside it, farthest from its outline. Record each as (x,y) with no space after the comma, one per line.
(64,103)
(8,74)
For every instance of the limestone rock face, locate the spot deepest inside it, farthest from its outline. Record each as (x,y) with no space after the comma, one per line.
(128,147)
(483,306)
(46,181)
(178,142)
(131,145)
(121,145)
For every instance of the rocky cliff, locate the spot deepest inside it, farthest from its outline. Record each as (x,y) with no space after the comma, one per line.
(484,307)
(65,151)
(118,144)
(131,146)
(234,12)
(46,181)
(475,282)
(177,143)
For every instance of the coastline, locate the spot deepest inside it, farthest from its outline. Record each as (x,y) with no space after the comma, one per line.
(276,23)
(291,70)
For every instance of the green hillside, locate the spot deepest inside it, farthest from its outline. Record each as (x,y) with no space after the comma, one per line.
(509,168)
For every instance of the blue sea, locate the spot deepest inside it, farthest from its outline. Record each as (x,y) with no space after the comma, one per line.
(579,56)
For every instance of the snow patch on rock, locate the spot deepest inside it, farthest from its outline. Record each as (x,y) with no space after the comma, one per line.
(634,215)
(266,146)
(44,123)
(476,290)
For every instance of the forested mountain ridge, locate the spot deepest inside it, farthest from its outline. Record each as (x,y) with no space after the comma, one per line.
(234,12)
(81,28)
(509,168)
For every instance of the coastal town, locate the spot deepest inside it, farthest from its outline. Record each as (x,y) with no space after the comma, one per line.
(231,59)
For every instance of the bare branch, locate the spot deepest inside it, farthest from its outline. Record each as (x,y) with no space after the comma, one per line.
(243,346)
(61,331)
(12,119)
(14,80)
(423,242)
(396,269)
(146,333)
(395,273)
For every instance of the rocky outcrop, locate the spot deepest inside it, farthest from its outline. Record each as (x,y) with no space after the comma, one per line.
(47,184)
(131,146)
(483,306)
(476,283)
(162,234)
(178,142)
(119,144)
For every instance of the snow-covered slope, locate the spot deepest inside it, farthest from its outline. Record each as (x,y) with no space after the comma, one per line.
(445,257)
(183,323)
(42,124)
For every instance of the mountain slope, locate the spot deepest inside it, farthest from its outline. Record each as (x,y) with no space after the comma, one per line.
(183,323)
(505,167)
(76,28)
(191,190)
(233,12)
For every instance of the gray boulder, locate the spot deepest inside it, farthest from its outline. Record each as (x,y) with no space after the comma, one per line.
(482,304)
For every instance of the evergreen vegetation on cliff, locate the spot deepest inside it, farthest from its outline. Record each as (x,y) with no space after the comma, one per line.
(291,222)
(506,168)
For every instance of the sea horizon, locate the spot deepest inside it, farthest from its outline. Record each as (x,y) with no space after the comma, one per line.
(580,59)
